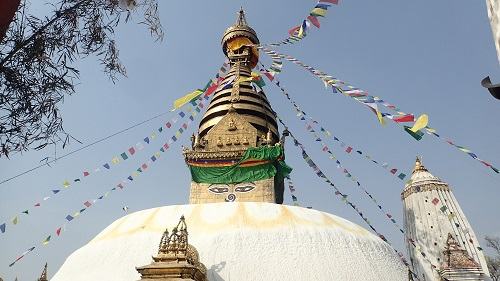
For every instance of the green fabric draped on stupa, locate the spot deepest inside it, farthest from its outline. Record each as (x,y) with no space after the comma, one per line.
(257,164)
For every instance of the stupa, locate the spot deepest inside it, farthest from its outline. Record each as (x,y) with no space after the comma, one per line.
(432,220)
(237,224)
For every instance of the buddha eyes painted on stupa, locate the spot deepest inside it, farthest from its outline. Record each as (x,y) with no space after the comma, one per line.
(231,189)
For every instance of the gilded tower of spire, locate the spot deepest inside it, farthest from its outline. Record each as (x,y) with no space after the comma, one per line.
(431,212)
(237,154)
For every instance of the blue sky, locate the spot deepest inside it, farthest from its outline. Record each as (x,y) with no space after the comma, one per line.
(424,57)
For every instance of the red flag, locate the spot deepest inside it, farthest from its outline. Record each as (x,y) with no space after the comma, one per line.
(314,20)
(58,232)
(389,216)
(325,149)
(292,31)
(85,174)
(166,146)
(184,126)
(394,171)
(120,185)
(435,201)
(404,118)
(336,2)
(309,128)
(88,204)
(168,125)
(131,150)
(348,150)
(269,76)
(144,166)
(37,205)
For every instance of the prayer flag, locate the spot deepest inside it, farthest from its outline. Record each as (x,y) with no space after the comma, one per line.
(451,216)
(394,171)
(37,205)
(116,160)
(131,150)
(416,135)
(124,156)
(66,184)
(146,140)
(420,123)
(348,150)
(55,191)
(69,217)
(106,166)
(185,99)
(2,227)
(14,220)
(443,209)
(88,204)
(120,186)
(130,178)
(404,118)
(318,12)
(401,176)
(435,201)
(139,145)
(314,20)
(58,231)
(168,125)
(25,212)
(182,114)
(336,2)
(46,240)
(85,174)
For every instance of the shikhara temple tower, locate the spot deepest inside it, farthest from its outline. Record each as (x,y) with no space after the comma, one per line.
(440,241)
(239,126)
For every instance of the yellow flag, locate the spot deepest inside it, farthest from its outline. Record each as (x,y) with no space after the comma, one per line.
(420,123)
(115,160)
(380,118)
(14,220)
(180,102)
(66,184)
(134,174)
(46,240)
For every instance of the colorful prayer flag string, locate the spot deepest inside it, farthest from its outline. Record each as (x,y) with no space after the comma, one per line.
(208,90)
(292,190)
(301,114)
(299,32)
(134,175)
(319,173)
(372,102)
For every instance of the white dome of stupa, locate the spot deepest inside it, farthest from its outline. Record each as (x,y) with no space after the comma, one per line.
(240,241)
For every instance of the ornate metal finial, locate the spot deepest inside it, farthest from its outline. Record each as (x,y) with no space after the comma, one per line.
(418,166)
(241,18)
(43,276)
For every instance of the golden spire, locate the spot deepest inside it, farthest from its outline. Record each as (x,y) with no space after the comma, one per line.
(43,276)
(418,167)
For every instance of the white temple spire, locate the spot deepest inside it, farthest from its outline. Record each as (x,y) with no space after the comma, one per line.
(431,212)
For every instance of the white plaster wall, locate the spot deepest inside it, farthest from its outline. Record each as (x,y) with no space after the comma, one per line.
(241,241)
(493,7)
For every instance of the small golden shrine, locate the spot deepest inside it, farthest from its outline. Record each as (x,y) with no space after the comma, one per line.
(176,258)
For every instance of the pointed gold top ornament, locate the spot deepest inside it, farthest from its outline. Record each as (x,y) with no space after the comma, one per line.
(418,166)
